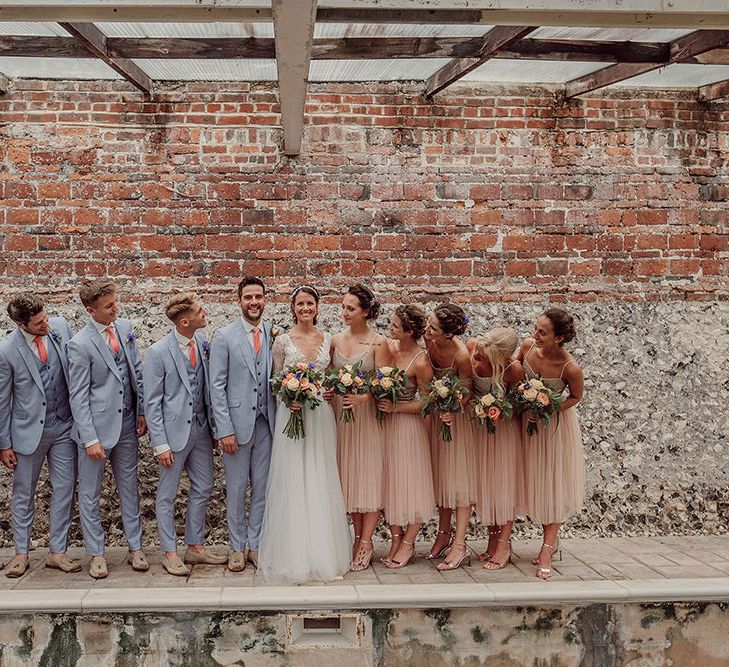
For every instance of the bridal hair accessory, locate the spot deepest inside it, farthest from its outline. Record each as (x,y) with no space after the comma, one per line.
(300,287)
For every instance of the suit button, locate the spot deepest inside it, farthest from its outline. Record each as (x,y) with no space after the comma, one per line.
(119,409)
(190,403)
(189,422)
(121,391)
(44,402)
(253,408)
(254,390)
(41,421)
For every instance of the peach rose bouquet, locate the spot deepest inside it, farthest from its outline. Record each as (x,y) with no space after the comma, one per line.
(348,379)
(489,409)
(297,385)
(536,402)
(387,382)
(445,394)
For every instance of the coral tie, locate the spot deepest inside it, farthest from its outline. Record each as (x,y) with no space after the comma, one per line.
(113,341)
(256,339)
(42,352)
(193,354)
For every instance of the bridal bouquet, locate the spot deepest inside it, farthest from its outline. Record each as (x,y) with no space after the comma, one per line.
(444,395)
(538,402)
(387,382)
(298,384)
(349,379)
(490,408)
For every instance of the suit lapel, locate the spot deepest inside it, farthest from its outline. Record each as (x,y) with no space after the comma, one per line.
(61,354)
(28,357)
(103,348)
(179,360)
(246,348)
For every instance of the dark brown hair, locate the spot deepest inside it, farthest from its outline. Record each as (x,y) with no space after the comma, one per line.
(23,306)
(250,280)
(562,323)
(307,289)
(452,318)
(413,320)
(367,300)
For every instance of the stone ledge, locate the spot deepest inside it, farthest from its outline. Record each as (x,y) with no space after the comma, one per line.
(284,598)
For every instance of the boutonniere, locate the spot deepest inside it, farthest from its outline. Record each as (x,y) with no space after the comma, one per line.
(56,337)
(206,349)
(131,337)
(276,331)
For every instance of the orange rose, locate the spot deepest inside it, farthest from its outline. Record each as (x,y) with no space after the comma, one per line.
(543,398)
(493,413)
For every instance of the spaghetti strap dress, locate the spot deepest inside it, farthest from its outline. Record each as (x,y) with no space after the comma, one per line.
(554,467)
(409,495)
(360,447)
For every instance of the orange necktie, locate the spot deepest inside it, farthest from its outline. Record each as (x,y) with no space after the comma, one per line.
(42,352)
(256,339)
(113,342)
(193,354)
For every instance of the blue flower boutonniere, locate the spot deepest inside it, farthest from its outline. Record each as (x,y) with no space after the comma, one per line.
(206,349)
(131,337)
(56,337)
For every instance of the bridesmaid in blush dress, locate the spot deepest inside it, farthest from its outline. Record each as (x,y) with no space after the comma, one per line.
(554,468)
(409,498)
(360,442)
(454,463)
(500,466)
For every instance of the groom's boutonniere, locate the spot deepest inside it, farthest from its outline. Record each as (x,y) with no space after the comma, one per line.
(206,349)
(56,337)
(276,331)
(131,337)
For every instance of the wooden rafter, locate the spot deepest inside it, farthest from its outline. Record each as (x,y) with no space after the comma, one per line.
(685,48)
(293,27)
(94,41)
(492,42)
(714,91)
(4,83)
(348,48)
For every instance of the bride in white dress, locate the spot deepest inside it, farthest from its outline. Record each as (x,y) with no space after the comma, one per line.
(305,535)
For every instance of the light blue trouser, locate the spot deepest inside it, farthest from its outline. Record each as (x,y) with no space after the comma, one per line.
(123,457)
(249,463)
(197,459)
(55,445)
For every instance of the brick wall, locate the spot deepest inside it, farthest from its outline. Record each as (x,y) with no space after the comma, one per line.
(509,197)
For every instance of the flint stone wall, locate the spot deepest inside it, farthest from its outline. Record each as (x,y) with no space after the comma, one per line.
(653,417)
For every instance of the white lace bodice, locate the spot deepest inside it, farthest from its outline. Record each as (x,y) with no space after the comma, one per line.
(286,353)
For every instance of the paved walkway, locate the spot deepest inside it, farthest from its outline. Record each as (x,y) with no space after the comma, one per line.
(609,569)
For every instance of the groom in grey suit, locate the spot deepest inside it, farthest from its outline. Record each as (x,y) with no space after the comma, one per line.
(244,411)
(177,409)
(107,402)
(35,426)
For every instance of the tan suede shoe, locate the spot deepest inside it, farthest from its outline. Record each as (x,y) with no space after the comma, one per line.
(204,558)
(237,561)
(253,558)
(17,567)
(138,560)
(62,562)
(175,566)
(97,568)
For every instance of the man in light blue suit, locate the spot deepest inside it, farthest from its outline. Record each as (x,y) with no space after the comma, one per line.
(107,402)
(244,412)
(35,426)
(176,405)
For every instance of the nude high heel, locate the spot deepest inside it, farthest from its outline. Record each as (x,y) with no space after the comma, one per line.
(466,556)
(431,555)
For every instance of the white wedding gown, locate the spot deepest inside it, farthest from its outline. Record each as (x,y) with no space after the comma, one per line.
(305,535)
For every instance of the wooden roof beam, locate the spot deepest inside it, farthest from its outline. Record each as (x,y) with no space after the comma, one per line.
(499,37)
(293,27)
(682,49)
(94,41)
(714,91)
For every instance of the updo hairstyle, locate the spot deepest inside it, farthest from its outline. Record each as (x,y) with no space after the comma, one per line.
(413,320)
(452,318)
(367,300)
(563,324)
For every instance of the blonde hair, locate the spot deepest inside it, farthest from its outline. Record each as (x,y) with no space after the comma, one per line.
(179,305)
(92,291)
(497,346)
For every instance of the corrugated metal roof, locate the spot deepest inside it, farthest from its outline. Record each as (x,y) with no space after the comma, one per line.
(209,70)
(334,30)
(32,29)
(679,76)
(610,34)
(531,71)
(187,30)
(56,68)
(391,69)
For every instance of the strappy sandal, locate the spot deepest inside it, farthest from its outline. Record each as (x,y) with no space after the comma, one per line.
(495,565)
(547,572)
(396,564)
(454,565)
(363,559)
(483,557)
(386,560)
(433,556)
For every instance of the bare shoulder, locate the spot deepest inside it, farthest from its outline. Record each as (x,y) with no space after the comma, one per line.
(470,344)
(525,347)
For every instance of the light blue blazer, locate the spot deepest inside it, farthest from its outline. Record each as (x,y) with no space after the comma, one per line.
(167,392)
(233,381)
(22,397)
(95,385)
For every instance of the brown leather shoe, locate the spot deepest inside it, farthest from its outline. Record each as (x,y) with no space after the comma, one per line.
(62,562)
(204,558)
(17,567)
(97,568)
(138,560)
(175,566)
(237,561)
(253,558)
